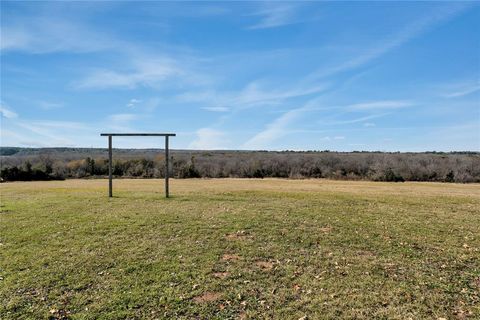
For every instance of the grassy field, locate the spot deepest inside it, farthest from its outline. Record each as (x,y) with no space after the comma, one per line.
(247,249)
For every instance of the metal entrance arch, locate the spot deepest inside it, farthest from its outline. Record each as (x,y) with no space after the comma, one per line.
(110,135)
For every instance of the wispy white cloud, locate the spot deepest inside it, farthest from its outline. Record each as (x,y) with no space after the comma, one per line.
(380,105)
(38,133)
(133,102)
(146,72)
(216,109)
(159,72)
(355,120)
(412,30)
(51,133)
(277,128)
(369,124)
(274,130)
(209,139)
(12,138)
(254,94)
(45,34)
(275,15)
(48,32)
(463,91)
(280,127)
(7,112)
(142,69)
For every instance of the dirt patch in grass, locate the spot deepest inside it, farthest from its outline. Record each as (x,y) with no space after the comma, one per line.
(264,265)
(326,229)
(230,257)
(207,297)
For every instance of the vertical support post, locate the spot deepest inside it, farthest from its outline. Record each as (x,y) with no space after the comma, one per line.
(167,167)
(110,166)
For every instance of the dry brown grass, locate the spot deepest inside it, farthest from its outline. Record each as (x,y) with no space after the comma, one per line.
(187,186)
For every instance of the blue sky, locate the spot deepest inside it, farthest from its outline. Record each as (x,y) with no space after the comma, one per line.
(390,76)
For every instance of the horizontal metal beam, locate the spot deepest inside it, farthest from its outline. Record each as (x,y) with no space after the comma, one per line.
(139,134)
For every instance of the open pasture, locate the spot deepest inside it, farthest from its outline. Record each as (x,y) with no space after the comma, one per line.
(239,248)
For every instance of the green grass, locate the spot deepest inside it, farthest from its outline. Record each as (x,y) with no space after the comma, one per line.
(244,249)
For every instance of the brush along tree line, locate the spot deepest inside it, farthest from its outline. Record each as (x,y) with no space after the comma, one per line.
(47,164)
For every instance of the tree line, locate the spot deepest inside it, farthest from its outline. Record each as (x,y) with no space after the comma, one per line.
(46,164)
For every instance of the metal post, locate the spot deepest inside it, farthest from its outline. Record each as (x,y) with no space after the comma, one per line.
(166,167)
(110,166)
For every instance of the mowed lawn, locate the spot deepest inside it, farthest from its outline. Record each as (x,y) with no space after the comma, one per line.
(239,249)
